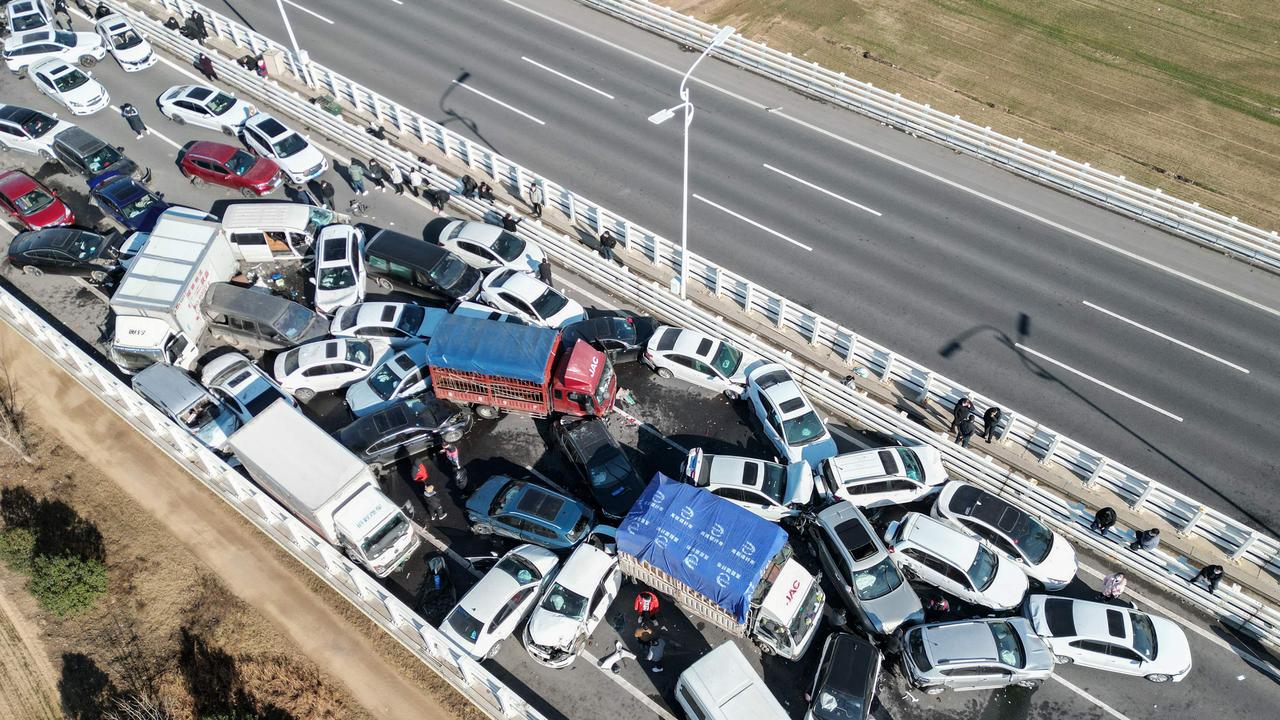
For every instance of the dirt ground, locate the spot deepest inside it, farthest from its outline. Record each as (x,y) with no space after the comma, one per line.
(30,684)
(200,608)
(1182,95)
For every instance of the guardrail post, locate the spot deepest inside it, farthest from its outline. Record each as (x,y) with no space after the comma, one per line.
(1191,524)
(888,367)
(751,291)
(1098,468)
(1140,502)
(782,313)
(851,352)
(1049,456)
(1244,546)
(925,387)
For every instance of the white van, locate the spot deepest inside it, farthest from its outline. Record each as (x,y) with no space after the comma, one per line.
(268,231)
(722,685)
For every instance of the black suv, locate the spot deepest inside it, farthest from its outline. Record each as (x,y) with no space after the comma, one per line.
(404,429)
(416,266)
(600,461)
(83,153)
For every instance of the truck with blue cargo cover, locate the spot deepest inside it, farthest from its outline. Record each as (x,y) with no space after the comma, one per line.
(499,367)
(723,564)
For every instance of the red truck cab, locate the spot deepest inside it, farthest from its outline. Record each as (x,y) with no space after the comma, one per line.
(500,367)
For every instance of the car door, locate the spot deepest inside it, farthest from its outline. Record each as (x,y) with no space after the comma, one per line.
(10,210)
(1090,653)
(926,568)
(211,170)
(994,539)
(833,563)
(257,142)
(12,136)
(1123,659)
(44,83)
(511,303)
(476,255)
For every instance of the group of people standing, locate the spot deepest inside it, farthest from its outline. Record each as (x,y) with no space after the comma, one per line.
(964,421)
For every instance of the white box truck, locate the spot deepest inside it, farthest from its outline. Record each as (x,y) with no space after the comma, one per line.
(325,486)
(157,305)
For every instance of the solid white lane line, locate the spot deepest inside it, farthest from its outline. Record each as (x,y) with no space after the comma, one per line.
(309,11)
(841,198)
(1159,334)
(901,163)
(153,132)
(749,221)
(1095,381)
(493,99)
(573,80)
(1087,696)
(631,689)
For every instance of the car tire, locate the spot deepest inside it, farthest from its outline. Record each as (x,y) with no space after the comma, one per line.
(664,373)
(934,690)
(1029,684)
(229,132)
(45,156)
(383,283)
(32,270)
(452,436)
(198,181)
(88,61)
(1063,660)
(248,192)
(732,395)
(304,395)
(487,412)
(4,148)
(1159,678)
(177,120)
(98,277)
(481,529)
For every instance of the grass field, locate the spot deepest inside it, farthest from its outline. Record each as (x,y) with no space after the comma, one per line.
(1183,95)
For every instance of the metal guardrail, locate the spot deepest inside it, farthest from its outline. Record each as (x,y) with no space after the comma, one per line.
(1241,611)
(1235,539)
(1150,205)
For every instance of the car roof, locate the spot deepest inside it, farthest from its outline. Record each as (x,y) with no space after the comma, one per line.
(780,389)
(78,139)
(19,114)
(734,471)
(378,313)
(960,642)
(114,23)
(865,464)
(477,232)
(1107,623)
(587,434)
(405,249)
(486,597)
(16,181)
(940,539)
(328,243)
(28,38)
(684,341)
(982,505)
(269,125)
(584,569)
(55,238)
(846,523)
(852,665)
(522,284)
(52,65)
(120,187)
(315,353)
(538,502)
(212,150)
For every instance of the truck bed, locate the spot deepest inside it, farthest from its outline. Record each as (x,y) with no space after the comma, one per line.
(511,395)
(682,594)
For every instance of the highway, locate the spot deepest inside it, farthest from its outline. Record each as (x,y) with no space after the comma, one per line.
(1150,349)
(676,418)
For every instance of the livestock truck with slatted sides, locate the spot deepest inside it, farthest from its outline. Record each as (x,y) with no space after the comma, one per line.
(499,367)
(723,564)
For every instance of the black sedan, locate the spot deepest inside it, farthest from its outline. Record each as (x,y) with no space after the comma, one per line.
(845,683)
(404,429)
(622,338)
(66,251)
(600,461)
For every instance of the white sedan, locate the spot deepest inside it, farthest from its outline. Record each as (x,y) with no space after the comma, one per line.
(699,359)
(399,376)
(1111,637)
(339,272)
(787,417)
(125,43)
(22,50)
(530,299)
(484,246)
(573,606)
(70,86)
(326,365)
(401,323)
(28,15)
(765,489)
(234,379)
(298,159)
(493,607)
(205,107)
(29,130)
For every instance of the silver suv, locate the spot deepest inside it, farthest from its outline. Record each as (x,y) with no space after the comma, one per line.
(975,655)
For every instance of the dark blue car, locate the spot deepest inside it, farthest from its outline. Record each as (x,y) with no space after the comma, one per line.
(528,512)
(127,201)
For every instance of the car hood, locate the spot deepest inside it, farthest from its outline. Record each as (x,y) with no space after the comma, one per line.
(1060,565)
(57,213)
(362,400)
(85,94)
(816,452)
(215,432)
(482,498)
(263,171)
(468,285)
(327,301)
(1173,652)
(799,485)
(551,630)
(617,500)
(900,607)
(301,161)
(1007,588)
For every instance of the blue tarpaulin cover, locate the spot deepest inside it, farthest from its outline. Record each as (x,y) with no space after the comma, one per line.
(715,547)
(491,347)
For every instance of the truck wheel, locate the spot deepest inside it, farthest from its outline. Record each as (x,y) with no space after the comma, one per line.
(488,412)
(663,373)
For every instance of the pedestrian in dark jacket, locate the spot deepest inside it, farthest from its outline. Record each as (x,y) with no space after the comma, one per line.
(201,28)
(1211,574)
(438,198)
(990,421)
(101,11)
(435,508)
(544,271)
(965,430)
(468,186)
(324,190)
(377,174)
(205,65)
(1103,520)
(509,223)
(1146,540)
(963,408)
(485,192)
(60,8)
(607,244)
(131,116)
(260,66)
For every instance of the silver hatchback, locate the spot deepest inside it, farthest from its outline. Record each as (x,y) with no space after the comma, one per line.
(975,655)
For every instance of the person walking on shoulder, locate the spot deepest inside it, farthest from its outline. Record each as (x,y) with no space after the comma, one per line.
(990,421)
(1113,586)
(536,198)
(205,65)
(963,408)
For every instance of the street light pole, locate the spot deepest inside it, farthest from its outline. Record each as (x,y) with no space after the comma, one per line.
(662,116)
(299,56)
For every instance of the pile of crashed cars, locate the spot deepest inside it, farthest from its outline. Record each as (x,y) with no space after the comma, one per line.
(291,322)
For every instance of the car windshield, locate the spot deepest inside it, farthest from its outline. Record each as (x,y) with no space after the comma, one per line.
(727,359)
(1008,646)
(508,246)
(125,40)
(385,537)
(37,125)
(291,362)
(1033,539)
(359,352)
(102,159)
(911,464)
(383,381)
(563,601)
(448,271)
(834,703)
(86,246)
(1144,635)
(33,201)
(70,80)
(876,581)
(506,495)
(807,612)
(240,163)
(520,569)
(22,23)
(66,39)
(609,468)
(774,483)
(467,627)
(411,319)
(336,278)
(220,103)
(139,206)
(803,429)
(295,320)
(549,303)
(983,569)
(263,399)
(289,145)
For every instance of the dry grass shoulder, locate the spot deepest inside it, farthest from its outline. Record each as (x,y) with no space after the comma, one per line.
(1182,95)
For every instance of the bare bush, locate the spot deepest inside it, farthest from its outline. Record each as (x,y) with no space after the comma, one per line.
(137,708)
(13,416)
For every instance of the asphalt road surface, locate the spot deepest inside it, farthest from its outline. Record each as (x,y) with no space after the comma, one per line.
(676,417)
(1156,352)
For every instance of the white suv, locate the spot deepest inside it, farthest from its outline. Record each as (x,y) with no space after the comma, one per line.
(958,564)
(21,50)
(883,476)
(298,159)
(787,417)
(766,489)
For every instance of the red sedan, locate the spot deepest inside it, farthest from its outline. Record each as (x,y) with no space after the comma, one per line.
(33,205)
(229,166)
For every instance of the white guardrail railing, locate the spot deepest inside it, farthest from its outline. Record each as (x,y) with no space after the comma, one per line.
(1150,205)
(1237,609)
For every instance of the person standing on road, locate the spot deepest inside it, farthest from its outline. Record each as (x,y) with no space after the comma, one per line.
(509,223)
(435,508)
(536,198)
(544,271)
(377,174)
(205,65)
(1103,520)
(60,8)
(355,174)
(965,430)
(1146,540)
(415,180)
(1211,574)
(324,190)
(131,116)
(990,421)
(395,176)
(1113,586)
(963,408)
(438,198)
(646,605)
